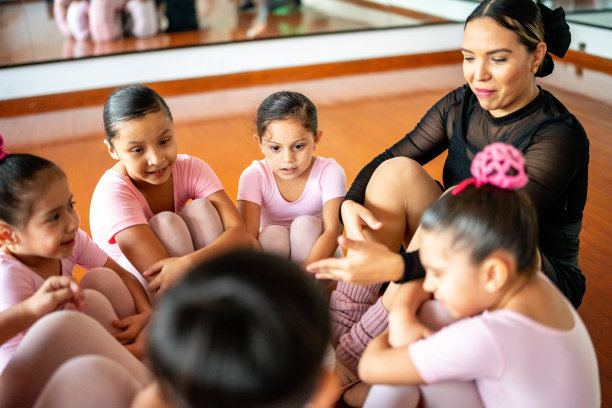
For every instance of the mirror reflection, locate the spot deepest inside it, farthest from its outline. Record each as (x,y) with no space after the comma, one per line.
(33,31)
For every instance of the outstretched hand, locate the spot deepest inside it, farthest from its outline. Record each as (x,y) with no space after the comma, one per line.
(355,217)
(366,263)
(55,292)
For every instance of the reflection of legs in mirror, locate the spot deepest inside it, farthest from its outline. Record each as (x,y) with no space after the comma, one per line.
(259,24)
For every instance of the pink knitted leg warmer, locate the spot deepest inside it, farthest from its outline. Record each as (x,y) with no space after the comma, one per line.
(348,302)
(353,344)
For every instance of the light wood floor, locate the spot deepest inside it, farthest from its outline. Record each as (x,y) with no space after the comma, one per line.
(360,115)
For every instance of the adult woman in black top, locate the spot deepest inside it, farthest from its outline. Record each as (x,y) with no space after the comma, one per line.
(505,46)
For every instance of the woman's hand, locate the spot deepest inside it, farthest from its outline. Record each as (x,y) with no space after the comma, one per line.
(164,273)
(355,217)
(54,293)
(366,263)
(131,327)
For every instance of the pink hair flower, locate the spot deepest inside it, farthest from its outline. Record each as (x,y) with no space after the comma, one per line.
(498,164)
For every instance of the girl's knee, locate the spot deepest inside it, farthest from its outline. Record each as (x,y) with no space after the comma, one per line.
(275,239)
(203,222)
(100,277)
(307,223)
(173,233)
(100,309)
(106,282)
(165,221)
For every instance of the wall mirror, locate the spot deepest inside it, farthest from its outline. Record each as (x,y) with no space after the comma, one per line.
(29,33)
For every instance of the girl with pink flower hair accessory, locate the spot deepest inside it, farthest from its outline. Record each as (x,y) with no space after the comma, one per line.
(498,164)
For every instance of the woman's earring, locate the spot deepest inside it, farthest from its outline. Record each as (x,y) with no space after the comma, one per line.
(535,70)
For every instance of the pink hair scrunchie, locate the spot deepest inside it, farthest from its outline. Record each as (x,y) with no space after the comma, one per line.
(3,153)
(498,164)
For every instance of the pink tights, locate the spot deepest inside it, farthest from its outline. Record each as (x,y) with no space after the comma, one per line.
(294,243)
(52,341)
(446,394)
(195,227)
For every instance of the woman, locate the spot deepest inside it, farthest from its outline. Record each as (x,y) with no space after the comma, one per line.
(505,47)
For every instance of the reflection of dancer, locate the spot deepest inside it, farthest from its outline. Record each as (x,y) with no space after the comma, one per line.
(178,15)
(78,19)
(60,9)
(142,15)
(105,23)
(263,7)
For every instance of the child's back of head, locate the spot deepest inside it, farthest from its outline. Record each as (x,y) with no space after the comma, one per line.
(243,330)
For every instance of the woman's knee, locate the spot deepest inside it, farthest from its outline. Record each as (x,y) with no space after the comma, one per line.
(398,170)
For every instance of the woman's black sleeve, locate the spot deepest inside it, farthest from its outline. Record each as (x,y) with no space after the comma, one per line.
(426,141)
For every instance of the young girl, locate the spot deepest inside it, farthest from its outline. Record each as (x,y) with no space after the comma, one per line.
(54,342)
(40,237)
(262,334)
(519,338)
(139,210)
(290,200)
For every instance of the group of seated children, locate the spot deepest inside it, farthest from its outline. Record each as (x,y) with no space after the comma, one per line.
(182,307)
(106,20)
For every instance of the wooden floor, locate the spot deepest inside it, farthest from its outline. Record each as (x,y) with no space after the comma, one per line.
(360,115)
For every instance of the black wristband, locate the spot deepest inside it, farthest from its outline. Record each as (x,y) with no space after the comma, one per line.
(413,269)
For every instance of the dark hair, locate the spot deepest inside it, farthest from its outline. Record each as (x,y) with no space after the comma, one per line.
(528,22)
(286,105)
(20,181)
(128,103)
(246,329)
(486,219)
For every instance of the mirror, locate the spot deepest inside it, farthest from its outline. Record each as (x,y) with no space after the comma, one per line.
(29,33)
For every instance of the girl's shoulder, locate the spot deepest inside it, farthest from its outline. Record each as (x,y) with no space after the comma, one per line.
(325,163)
(257,167)
(326,167)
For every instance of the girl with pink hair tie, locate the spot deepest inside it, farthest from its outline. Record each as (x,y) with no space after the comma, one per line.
(506,47)
(514,328)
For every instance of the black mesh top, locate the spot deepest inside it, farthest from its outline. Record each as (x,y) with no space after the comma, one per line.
(554,144)
(556,151)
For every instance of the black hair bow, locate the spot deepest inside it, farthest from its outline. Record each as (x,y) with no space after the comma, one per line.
(557,35)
